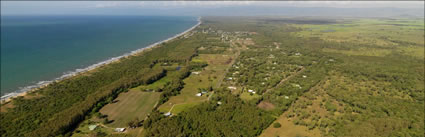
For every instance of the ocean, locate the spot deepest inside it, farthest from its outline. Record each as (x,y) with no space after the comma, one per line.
(38,49)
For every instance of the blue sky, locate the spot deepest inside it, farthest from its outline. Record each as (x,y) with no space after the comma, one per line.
(182,7)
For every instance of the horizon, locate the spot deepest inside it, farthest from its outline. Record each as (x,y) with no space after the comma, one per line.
(213,8)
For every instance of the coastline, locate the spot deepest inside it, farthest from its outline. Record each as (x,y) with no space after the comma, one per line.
(41,84)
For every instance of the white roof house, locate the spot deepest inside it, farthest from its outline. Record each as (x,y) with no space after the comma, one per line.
(231,88)
(297,85)
(92,127)
(250,90)
(196,73)
(167,114)
(286,97)
(304,76)
(119,129)
(199,94)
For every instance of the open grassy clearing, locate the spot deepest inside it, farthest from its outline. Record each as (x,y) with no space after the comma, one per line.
(126,107)
(129,106)
(209,76)
(247,96)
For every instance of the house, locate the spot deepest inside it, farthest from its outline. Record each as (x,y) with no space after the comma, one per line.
(119,129)
(297,54)
(167,114)
(92,127)
(304,76)
(250,90)
(231,88)
(196,73)
(229,78)
(219,103)
(297,85)
(286,97)
(199,94)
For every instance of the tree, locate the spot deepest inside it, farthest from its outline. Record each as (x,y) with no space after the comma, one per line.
(277,125)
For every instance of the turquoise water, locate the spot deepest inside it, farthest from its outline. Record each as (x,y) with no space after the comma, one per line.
(42,48)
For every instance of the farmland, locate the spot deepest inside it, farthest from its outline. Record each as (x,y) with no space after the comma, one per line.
(129,106)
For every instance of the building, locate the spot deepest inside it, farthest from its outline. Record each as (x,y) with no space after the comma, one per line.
(199,94)
(119,129)
(92,127)
(231,88)
(167,114)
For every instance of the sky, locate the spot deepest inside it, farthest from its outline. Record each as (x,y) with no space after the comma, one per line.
(181,7)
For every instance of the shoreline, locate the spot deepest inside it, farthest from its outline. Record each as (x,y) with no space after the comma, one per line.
(41,84)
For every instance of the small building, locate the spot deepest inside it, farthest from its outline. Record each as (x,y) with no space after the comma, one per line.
(229,78)
(297,85)
(286,97)
(92,127)
(199,94)
(231,88)
(196,73)
(119,129)
(219,103)
(250,90)
(304,76)
(167,114)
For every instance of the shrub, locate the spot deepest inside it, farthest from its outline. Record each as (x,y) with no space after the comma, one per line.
(277,125)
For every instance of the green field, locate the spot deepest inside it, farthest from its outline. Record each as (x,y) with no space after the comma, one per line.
(129,106)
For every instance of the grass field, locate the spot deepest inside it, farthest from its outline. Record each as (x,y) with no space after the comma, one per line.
(209,76)
(247,96)
(131,105)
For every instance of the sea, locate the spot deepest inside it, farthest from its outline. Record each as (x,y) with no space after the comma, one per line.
(36,50)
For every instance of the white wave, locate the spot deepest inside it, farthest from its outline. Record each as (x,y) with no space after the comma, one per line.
(69,74)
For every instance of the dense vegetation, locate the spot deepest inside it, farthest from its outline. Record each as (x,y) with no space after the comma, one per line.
(232,118)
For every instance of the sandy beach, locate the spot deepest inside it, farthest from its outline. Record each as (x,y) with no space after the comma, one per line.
(33,88)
